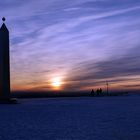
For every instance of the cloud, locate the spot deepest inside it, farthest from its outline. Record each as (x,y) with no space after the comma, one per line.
(79,40)
(123,70)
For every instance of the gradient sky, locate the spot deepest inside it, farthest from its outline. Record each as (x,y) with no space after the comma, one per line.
(83,42)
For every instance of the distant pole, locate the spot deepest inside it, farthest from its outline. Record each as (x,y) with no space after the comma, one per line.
(107,86)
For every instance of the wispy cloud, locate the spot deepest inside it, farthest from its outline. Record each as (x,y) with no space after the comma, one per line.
(78,40)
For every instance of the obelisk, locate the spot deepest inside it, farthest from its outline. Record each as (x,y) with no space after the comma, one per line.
(4,63)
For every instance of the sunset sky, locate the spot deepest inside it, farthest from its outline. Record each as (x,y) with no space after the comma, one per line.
(73,45)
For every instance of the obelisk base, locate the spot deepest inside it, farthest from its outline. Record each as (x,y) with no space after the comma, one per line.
(8,101)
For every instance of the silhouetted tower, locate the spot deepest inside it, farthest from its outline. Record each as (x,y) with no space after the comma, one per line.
(4,63)
(107,87)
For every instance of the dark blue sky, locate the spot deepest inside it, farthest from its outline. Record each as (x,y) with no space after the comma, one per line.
(83,43)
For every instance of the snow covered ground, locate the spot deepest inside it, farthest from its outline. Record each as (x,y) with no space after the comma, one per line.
(74,118)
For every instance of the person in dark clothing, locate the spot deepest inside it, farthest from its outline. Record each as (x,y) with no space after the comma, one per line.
(92,92)
(100,91)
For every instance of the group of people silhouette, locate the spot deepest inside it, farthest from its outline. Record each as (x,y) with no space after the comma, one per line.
(98,92)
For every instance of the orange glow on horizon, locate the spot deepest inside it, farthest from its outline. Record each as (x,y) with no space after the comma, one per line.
(59,82)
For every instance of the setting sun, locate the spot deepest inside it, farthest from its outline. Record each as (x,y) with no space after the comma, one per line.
(56,82)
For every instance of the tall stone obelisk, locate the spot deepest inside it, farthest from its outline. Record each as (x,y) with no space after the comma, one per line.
(4,63)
